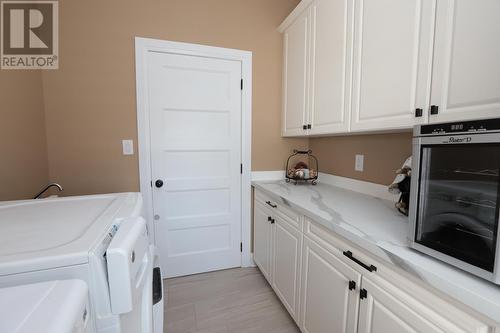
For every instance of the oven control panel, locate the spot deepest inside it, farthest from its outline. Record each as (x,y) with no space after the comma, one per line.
(460,127)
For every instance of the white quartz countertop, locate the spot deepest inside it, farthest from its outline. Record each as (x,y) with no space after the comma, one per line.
(375,225)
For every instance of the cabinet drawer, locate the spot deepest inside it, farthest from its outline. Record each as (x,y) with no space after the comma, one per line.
(339,247)
(279,207)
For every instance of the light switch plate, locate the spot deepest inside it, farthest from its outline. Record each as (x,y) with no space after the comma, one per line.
(359,162)
(128,147)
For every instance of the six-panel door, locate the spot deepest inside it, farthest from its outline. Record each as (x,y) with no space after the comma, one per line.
(328,304)
(262,239)
(466,71)
(287,250)
(195,137)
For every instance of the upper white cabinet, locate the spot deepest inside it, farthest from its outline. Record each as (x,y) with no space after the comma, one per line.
(330,75)
(295,76)
(316,71)
(370,65)
(466,73)
(392,63)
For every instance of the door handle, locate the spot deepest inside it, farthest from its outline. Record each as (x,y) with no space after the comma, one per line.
(159,183)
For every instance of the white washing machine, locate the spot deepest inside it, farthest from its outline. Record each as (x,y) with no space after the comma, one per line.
(45,307)
(99,239)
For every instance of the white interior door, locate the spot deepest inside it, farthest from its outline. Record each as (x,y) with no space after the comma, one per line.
(195,126)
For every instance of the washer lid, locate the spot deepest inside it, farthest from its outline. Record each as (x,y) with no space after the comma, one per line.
(33,232)
(47,307)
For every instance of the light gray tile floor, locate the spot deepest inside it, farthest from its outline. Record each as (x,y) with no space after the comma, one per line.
(231,301)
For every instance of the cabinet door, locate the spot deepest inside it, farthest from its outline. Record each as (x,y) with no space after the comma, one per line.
(387,309)
(328,305)
(331,55)
(392,63)
(466,73)
(295,76)
(287,243)
(262,239)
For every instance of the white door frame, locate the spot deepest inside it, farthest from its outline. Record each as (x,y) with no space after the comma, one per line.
(142,47)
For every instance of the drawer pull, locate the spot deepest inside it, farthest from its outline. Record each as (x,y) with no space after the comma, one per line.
(271,204)
(369,268)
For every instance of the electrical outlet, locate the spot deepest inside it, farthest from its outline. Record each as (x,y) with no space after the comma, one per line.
(128,147)
(359,162)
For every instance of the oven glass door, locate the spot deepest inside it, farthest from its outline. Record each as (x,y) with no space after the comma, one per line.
(458,202)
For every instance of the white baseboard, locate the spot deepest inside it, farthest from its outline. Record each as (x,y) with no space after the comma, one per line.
(376,190)
(268,175)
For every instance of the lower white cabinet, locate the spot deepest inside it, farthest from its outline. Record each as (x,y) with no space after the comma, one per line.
(329,292)
(262,238)
(385,308)
(287,250)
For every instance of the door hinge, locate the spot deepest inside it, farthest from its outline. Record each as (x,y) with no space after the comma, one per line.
(241,168)
(241,84)
(363,293)
(241,247)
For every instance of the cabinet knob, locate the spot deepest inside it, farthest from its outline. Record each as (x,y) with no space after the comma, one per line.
(304,127)
(352,285)
(269,219)
(418,112)
(159,183)
(272,221)
(363,293)
(309,126)
(434,109)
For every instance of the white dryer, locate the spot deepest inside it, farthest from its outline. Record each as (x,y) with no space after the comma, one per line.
(100,239)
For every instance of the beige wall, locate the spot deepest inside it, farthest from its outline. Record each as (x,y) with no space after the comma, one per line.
(384,153)
(23,154)
(90,101)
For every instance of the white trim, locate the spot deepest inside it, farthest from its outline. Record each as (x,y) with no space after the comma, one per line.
(301,7)
(144,45)
(376,190)
(268,175)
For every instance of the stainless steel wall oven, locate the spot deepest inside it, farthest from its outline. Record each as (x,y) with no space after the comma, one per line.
(455,195)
